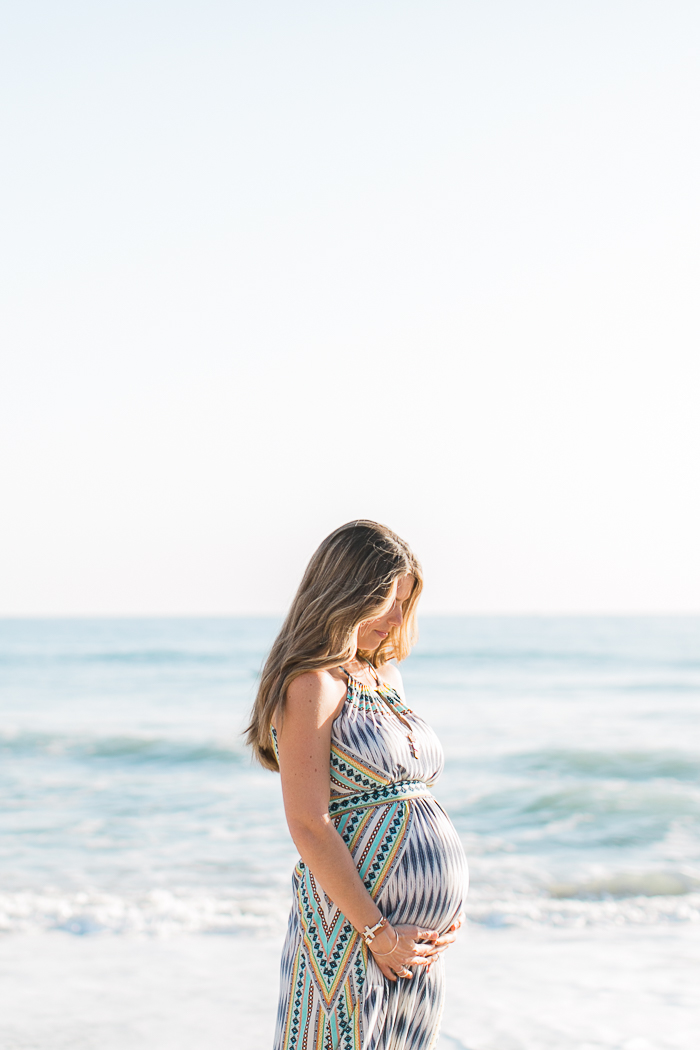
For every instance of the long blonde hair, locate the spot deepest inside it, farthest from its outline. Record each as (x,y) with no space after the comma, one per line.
(347,581)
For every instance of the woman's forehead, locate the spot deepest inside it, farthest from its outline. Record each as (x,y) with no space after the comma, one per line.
(404,586)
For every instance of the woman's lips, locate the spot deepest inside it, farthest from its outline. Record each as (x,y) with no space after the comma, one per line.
(383,633)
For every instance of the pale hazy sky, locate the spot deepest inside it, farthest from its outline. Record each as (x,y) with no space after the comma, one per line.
(270,266)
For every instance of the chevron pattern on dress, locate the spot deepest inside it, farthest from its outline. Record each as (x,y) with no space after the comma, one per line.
(348,773)
(333,995)
(374,837)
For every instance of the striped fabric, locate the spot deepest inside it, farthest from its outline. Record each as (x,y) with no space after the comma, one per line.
(333,995)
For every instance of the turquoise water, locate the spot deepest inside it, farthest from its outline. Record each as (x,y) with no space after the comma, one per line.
(129,802)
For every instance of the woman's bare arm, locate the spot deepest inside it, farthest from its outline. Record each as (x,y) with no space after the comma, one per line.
(304,738)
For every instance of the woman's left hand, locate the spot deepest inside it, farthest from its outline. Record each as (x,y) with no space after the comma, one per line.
(446,939)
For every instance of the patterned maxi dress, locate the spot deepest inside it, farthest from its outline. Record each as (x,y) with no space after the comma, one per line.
(333,995)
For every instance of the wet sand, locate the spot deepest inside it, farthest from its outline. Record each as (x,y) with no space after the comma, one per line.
(508,989)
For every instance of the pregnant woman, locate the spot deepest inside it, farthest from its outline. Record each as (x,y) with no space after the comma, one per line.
(379,889)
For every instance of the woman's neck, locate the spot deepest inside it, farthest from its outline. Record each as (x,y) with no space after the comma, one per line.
(361,669)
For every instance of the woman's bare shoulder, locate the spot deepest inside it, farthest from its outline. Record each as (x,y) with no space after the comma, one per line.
(390,674)
(316,694)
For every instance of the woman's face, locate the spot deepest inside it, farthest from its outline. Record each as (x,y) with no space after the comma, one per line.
(371,633)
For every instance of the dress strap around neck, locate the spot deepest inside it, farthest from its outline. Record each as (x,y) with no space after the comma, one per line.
(374,671)
(368,664)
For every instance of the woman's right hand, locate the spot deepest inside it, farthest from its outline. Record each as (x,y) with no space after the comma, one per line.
(414,946)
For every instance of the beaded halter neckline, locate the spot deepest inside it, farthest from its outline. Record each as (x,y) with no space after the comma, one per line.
(412,743)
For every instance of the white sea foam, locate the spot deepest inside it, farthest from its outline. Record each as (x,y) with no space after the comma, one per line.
(158,912)
(163,912)
(547,911)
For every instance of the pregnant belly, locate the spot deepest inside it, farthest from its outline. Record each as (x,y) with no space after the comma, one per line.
(428,886)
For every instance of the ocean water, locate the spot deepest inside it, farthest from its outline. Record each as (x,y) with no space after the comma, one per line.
(130,804)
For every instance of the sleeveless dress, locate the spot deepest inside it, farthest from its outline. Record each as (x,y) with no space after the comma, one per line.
(333,996)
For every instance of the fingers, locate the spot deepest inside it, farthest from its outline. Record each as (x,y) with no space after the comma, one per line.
(416,946)
(425,935)
(424,947)
(431,956)
(447,938)
(403,971)
(392,974)
(415,960)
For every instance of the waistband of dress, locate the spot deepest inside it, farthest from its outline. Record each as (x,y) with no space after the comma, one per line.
(402,789)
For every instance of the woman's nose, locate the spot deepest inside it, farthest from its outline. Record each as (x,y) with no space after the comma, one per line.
(396,616)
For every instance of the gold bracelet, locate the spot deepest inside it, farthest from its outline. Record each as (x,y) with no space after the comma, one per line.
(381,954)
